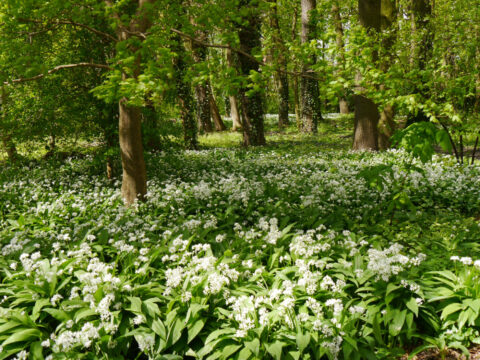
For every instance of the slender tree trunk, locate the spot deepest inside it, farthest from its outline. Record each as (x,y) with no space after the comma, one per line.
(296,92)
(281,77)
(202,91)
(366,111)
(204,113)
(251,103)
(217,119)
(342,102)
(422,47)
(234,113)
(387,126)
(7,141)
(311,114)
(185,97)
(234,106)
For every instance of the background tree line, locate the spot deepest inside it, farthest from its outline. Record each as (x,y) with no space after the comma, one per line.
(123,69)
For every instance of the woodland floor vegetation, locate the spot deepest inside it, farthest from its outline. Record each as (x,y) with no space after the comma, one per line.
(277,252)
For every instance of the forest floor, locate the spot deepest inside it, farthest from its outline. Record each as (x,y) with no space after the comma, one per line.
(300,249)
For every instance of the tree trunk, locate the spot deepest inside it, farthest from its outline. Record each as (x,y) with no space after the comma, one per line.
(366,111)
(202,91)
(134,174)
(134,179)
(251,103)
(8,144)
(387,126)
(234,113)
(185,97)
(234,106)
(281,77)
(204,113)
(366,122)
(217,119)
(311,114)
(342,102)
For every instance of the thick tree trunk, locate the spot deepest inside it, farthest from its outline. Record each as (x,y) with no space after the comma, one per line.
(134,179)
(342,102)
(311,114)
(134,175)
(366,111)
(251,103)
(366,122)
(217,119)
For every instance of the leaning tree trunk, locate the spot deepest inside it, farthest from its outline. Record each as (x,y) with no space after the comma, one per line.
(342,101)
(234,106)
(281,77)
(311,114)
(251,103)
(217,119)
(366,111)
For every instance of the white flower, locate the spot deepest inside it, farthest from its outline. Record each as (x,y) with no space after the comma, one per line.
(466,260)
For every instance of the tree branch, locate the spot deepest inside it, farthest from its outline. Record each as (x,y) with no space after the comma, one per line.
(239,51)
(73,23)
(55,69)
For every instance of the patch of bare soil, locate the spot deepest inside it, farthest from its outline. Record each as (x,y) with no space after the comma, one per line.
(451,354)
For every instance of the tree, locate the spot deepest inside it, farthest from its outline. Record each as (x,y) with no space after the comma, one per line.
(366,111)
(310,100)
(343,104)
(281,76)
(250,93)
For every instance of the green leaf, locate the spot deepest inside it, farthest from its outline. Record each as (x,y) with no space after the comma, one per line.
(412,305)
(229,350)
(450,309)
(397,324)
(24,335)
(195,329)
(253,346)
(302,341)
(275,349)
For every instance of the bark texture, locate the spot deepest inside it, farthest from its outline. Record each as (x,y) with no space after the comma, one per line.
(342,101)
(232,62)
(387,126)
(202,91)
(134,175)
(281,77)
(6,138)
(310,101)
(185,99)
(251,103)
(366,122)
(217,119)
(366,111)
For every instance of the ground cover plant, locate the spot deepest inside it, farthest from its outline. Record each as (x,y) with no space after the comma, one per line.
(241,254)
